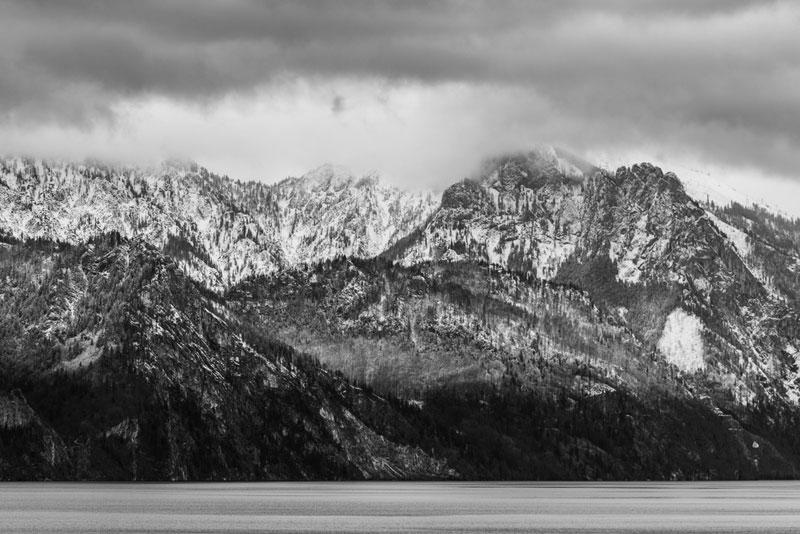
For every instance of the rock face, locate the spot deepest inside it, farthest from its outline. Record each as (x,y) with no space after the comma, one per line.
(220,231)
(146,376)
(620,236)
(329,212)
(543,319)
(521,212)
(502,361)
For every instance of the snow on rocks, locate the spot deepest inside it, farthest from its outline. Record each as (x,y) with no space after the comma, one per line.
(737,237)
(681,341)
(219,230)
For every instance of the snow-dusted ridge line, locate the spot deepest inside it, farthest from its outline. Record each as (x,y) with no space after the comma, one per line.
(219,230)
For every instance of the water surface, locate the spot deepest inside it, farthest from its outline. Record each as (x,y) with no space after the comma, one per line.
(402,507)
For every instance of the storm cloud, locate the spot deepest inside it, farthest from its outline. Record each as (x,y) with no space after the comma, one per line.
(717,79)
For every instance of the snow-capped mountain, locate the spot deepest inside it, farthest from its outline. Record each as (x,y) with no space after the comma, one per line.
(616,234)
(591,324)
(519,212)
(220,230)
(329,212)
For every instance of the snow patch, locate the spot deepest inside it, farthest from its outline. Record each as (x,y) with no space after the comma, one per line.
(792,380)
(682,341)
(737,237)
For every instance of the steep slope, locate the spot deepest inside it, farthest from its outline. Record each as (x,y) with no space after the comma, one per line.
(653,233)
(219,230)
(117,366)
(498,361)
(329,212)
(407,330)
(547,319)
(768,243)
(642,248)
(519,212)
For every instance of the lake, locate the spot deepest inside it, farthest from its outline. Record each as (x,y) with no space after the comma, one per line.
(401,507)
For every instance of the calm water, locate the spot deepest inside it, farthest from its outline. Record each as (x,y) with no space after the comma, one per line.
(401,507)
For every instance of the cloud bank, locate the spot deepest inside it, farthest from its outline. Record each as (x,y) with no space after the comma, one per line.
(712,83)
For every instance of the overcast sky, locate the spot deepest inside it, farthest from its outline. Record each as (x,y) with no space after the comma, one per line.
(420,91)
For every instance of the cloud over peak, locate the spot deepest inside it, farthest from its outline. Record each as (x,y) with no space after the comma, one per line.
(716,79)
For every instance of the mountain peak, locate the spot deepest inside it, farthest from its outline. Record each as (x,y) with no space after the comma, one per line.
(541,165)
(648,173)
(219,230)
(568,163)
(330,176)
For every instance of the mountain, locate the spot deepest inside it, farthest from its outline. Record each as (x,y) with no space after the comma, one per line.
(644,251)
(768,243)
(544,319)
(518,377)
(117,366)
(519,212)
(219,230)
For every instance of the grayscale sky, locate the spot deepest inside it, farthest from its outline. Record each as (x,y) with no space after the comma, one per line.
(419,90)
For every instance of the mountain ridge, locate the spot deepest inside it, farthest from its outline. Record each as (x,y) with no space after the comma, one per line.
(596,308)
(221,230)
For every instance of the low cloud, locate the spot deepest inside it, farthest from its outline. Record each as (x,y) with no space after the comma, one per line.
(716,80)
(337,104)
